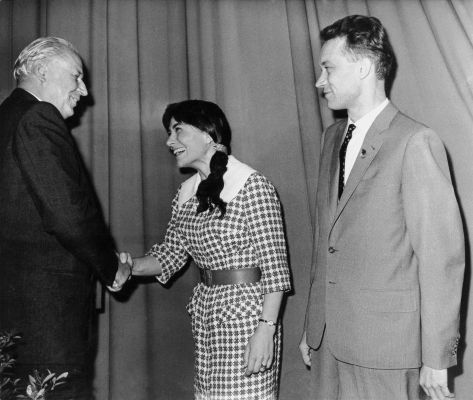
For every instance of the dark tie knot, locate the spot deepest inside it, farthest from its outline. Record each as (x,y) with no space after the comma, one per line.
(350,130)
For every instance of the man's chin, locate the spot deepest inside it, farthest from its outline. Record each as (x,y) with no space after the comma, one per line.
(335,106)
(67,113)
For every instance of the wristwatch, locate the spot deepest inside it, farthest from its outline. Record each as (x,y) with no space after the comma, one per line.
(268,321)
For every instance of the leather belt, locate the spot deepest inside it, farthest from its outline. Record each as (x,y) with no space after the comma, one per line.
(230,276)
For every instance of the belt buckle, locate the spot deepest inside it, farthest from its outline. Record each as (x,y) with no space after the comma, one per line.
(207,277)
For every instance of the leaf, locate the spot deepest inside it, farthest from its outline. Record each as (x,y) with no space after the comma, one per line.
(41,392)
(63,375)
(51,375)
(32,380)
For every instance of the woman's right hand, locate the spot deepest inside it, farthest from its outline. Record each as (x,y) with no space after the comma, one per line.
(143,266)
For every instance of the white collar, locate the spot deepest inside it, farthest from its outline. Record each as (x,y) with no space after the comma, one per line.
(233,179)
(368,119)
(32,94)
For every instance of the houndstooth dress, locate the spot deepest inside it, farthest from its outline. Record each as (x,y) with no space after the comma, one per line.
(224,317)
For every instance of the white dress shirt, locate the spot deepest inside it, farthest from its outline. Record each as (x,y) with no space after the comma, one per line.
(362,127)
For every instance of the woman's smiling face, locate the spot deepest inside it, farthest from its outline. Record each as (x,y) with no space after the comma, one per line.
(191,146)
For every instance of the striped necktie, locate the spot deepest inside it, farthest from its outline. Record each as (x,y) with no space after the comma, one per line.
(342,154)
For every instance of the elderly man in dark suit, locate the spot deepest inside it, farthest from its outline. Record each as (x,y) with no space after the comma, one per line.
(53,238)
(386,280)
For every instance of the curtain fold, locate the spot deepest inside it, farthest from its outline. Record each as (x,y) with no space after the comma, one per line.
(259,61)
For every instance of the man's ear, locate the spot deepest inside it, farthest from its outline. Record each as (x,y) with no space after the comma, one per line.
(366,67)
(40,70)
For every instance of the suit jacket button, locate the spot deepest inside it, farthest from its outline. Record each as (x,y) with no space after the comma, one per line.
(331,249)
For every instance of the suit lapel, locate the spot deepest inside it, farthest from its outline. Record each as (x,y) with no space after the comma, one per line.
(373,141)
(335,168)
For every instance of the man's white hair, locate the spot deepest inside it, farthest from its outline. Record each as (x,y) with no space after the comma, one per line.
(40,49)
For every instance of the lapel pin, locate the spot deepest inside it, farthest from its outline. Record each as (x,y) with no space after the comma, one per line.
(363,153)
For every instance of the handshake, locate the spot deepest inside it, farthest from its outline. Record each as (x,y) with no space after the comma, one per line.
(124,271)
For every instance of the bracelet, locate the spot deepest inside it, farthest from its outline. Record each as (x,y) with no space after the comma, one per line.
(268,321)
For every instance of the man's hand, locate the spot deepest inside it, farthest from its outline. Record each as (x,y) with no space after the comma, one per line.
(125,265)
(434,383)
(305,350)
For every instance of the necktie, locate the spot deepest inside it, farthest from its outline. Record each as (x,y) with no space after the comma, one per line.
(342,154)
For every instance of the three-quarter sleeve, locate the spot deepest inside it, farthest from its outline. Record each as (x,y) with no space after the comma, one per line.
(263,213)
(171,254)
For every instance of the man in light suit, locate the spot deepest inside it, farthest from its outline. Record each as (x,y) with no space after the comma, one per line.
(53,238)
(388,261)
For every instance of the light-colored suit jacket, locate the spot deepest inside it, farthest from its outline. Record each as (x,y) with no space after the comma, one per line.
(388,263)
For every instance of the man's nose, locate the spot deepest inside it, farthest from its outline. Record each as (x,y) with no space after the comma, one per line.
(321,81)
(82,89)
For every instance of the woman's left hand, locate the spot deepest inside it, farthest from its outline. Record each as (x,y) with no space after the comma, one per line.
(260,349)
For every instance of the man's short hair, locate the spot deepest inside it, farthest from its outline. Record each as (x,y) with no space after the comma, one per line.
(40,49)
(364,37)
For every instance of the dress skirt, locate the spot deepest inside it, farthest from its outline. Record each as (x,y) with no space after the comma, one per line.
(223,320)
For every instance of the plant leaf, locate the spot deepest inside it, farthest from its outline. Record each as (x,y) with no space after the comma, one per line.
(63,375)
(51,375)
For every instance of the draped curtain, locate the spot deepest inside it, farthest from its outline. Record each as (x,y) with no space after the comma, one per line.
(258,59)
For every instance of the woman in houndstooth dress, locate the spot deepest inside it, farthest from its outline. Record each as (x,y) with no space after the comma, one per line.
(226,217)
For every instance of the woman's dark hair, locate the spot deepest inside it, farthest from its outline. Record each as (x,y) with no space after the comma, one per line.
(365,36)
(207,117)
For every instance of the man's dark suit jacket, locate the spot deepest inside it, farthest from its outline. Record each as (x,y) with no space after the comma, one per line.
(53,238)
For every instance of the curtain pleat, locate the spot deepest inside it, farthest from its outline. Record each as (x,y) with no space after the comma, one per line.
(7,55)
(259,61)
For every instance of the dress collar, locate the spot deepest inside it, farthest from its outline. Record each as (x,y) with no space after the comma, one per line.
(234,179)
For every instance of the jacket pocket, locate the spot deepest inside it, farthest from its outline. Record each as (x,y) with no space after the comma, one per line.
(238,303)
(394,301)
(190,307)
